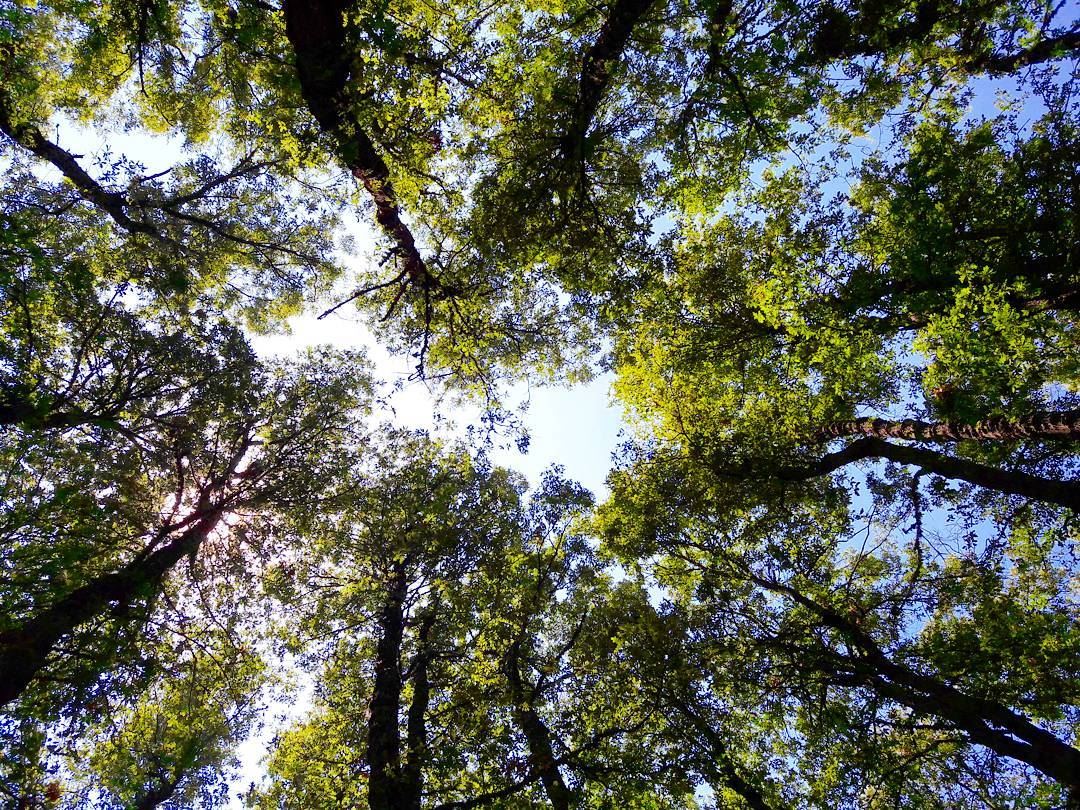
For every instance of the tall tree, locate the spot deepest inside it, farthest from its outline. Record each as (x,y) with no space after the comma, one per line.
(383,592)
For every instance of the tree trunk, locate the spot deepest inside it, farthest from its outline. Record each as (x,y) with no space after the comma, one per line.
(316,30)
(986,722)
(1063,425)
(1012,482)
(537,736)
(384,737)
(416,731)
(24,649)
(596,70)
(159,793)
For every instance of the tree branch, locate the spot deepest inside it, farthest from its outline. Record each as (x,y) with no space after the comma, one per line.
(1037,425)
(316,31)
(1012,482)
(596,70)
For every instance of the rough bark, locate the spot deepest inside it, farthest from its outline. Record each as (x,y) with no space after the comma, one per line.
(542,760)
(986,722)
(384,737)
(1012,482)
(317,33)
(596,69)
(25,649)
(1038,425)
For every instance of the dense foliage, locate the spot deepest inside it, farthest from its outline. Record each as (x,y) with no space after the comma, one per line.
(828,252)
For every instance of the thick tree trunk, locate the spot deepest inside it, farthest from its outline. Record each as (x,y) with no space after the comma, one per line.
(596,69)
(1063,493)
(1038,425)
(384,736)
(317,33)
(542,759)
(24,649)
(986,722)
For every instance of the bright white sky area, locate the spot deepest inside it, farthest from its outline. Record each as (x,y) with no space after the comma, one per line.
(576,427)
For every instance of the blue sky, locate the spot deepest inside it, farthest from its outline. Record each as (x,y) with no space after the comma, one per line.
(576,427)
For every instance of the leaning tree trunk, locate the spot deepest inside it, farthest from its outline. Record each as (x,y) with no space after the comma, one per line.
(1011,482)
(316,30)
(985,722)
(25,649)
(596,70)
(1062,425)
(542,760)
(32,139)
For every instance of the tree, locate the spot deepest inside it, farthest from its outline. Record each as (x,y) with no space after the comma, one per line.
(173,747)
(817,343)
(119,537)
(471,651)
(932,649)
(910,309)
(394,554)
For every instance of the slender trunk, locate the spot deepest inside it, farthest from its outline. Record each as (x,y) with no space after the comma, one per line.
(596,69)
(416,730)
(1039,425)
(537,736)
(1012,482)
(384,738)
(317,33)
(986,722)
(720,758)
(24,649)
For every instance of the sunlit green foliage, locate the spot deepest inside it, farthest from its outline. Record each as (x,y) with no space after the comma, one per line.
(838,294)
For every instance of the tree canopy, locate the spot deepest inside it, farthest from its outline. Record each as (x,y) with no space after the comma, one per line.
(828,253)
